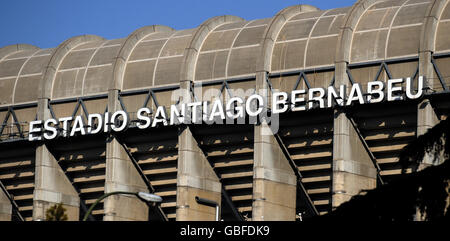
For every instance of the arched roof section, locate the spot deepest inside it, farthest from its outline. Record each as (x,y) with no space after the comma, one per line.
(136,47)
(61,75)
(307,40)
(156,60)
(387,30)
(230,50)
(202,32)
(272,31)
(20,72)
(429,30)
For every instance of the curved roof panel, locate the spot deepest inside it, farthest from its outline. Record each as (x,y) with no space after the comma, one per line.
(20,74)
(389,29)
(300,42)
(230,50)
(86,69)
(156,60)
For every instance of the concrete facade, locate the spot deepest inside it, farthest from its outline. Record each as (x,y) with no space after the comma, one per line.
(300,47)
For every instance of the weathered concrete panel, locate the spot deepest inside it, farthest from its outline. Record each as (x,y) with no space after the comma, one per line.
(403,41)
(139,74)
(146,50)
(105,55)
(219,40)
(77,59)
(7,86)
(68,83)
(35,65)
(369,46)
(288,55)
(242,61)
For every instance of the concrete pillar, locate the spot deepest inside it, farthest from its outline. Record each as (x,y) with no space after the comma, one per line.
(195,177)
(121,175)
(353,170)
(352,167)
(5,207)
(51,185)
(274,182)
(426,116)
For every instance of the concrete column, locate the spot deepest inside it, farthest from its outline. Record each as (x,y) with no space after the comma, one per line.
(274,182)
(426,116)
(353,170)
(121,175)
(5,207)
(51,185)
(195,176)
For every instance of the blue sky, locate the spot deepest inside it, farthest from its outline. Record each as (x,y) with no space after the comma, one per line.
(47,23)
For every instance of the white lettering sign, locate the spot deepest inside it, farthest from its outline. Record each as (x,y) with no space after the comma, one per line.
(234,108)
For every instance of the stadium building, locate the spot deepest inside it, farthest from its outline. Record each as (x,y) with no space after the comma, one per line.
(305,163)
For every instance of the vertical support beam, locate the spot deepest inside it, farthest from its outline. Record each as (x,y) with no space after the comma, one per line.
(426,116)
(426,119)
(353,169)
(121,175)
(274,182)
(195,176)
(51,185)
